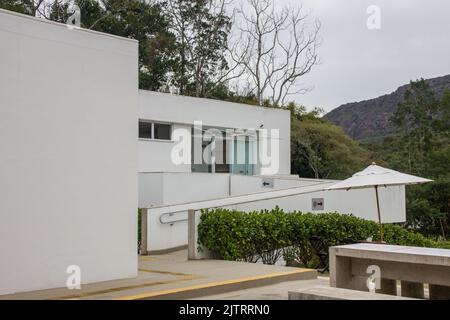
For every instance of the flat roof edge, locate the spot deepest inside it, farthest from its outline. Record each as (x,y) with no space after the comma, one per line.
(24,16)
(211,99)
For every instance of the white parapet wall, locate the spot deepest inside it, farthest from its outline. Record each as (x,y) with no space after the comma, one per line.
(159,189)
(68,159)
(359,202)
(171,188)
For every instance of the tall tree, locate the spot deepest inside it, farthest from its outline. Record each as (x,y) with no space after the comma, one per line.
(444,125)
(201,28)
(144,21)
(281,47)
(416,120)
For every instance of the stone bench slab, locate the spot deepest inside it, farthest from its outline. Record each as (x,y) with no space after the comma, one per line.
(395,253)
(331,293)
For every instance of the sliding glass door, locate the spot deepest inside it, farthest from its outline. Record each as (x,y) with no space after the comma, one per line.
(243,161)
(235,154)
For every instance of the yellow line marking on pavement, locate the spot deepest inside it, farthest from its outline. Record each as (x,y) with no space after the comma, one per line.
(182,277)
(210,284)
(149,258)
(165,272)
(142,285)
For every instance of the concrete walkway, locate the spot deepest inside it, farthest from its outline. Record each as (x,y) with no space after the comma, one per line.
(277,291)
(172,276)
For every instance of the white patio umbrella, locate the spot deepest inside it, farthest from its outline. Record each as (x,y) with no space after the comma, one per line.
(375,176)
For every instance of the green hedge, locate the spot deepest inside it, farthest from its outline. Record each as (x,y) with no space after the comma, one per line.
(300,238)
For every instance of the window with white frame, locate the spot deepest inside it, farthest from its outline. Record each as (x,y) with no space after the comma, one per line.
(162,131)
(154,130)
(145,130)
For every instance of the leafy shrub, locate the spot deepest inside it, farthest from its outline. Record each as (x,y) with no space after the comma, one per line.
(302,239)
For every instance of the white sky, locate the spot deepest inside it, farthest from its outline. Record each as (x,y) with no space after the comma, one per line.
(358,63)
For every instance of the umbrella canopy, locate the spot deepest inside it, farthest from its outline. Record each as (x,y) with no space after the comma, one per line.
(375,175)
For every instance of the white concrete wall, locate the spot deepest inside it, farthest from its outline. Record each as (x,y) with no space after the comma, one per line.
(241,184)
(172,188)
(68,141)
(155,155)
(151,189)
(187,187)
(214,113)
(359,202)
(180,188)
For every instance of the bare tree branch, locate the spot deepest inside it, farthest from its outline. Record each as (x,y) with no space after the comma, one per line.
(280,48)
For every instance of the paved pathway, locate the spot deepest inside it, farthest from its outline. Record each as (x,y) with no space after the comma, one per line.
(277,291)
(172,276)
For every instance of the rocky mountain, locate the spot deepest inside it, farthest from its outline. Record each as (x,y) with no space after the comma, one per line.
(371,118)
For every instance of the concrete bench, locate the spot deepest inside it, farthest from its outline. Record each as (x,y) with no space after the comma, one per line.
(413,266)
(331,293)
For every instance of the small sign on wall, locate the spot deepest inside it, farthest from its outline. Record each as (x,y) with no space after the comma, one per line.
(317,204)
(267,183)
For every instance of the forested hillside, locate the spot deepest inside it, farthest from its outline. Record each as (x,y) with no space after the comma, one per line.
(420,145)
(371,118)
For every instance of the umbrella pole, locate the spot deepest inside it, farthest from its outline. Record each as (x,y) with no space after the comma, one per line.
(379,214)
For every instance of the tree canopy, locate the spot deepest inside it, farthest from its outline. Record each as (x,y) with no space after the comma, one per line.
(320,149)
(135,19)
(421,146)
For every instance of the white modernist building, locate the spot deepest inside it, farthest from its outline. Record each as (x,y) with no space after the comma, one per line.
(82,148)
(250,164)
(236,129)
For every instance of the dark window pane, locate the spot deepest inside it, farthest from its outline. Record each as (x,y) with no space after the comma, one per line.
(221,157)
(145,130)
(162,131)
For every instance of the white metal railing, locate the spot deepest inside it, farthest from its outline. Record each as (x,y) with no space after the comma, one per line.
(194,208)
(170,214)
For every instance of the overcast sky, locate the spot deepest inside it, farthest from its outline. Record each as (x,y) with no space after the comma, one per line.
(358,63)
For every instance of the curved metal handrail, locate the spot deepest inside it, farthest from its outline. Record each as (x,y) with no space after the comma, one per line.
(170,214)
